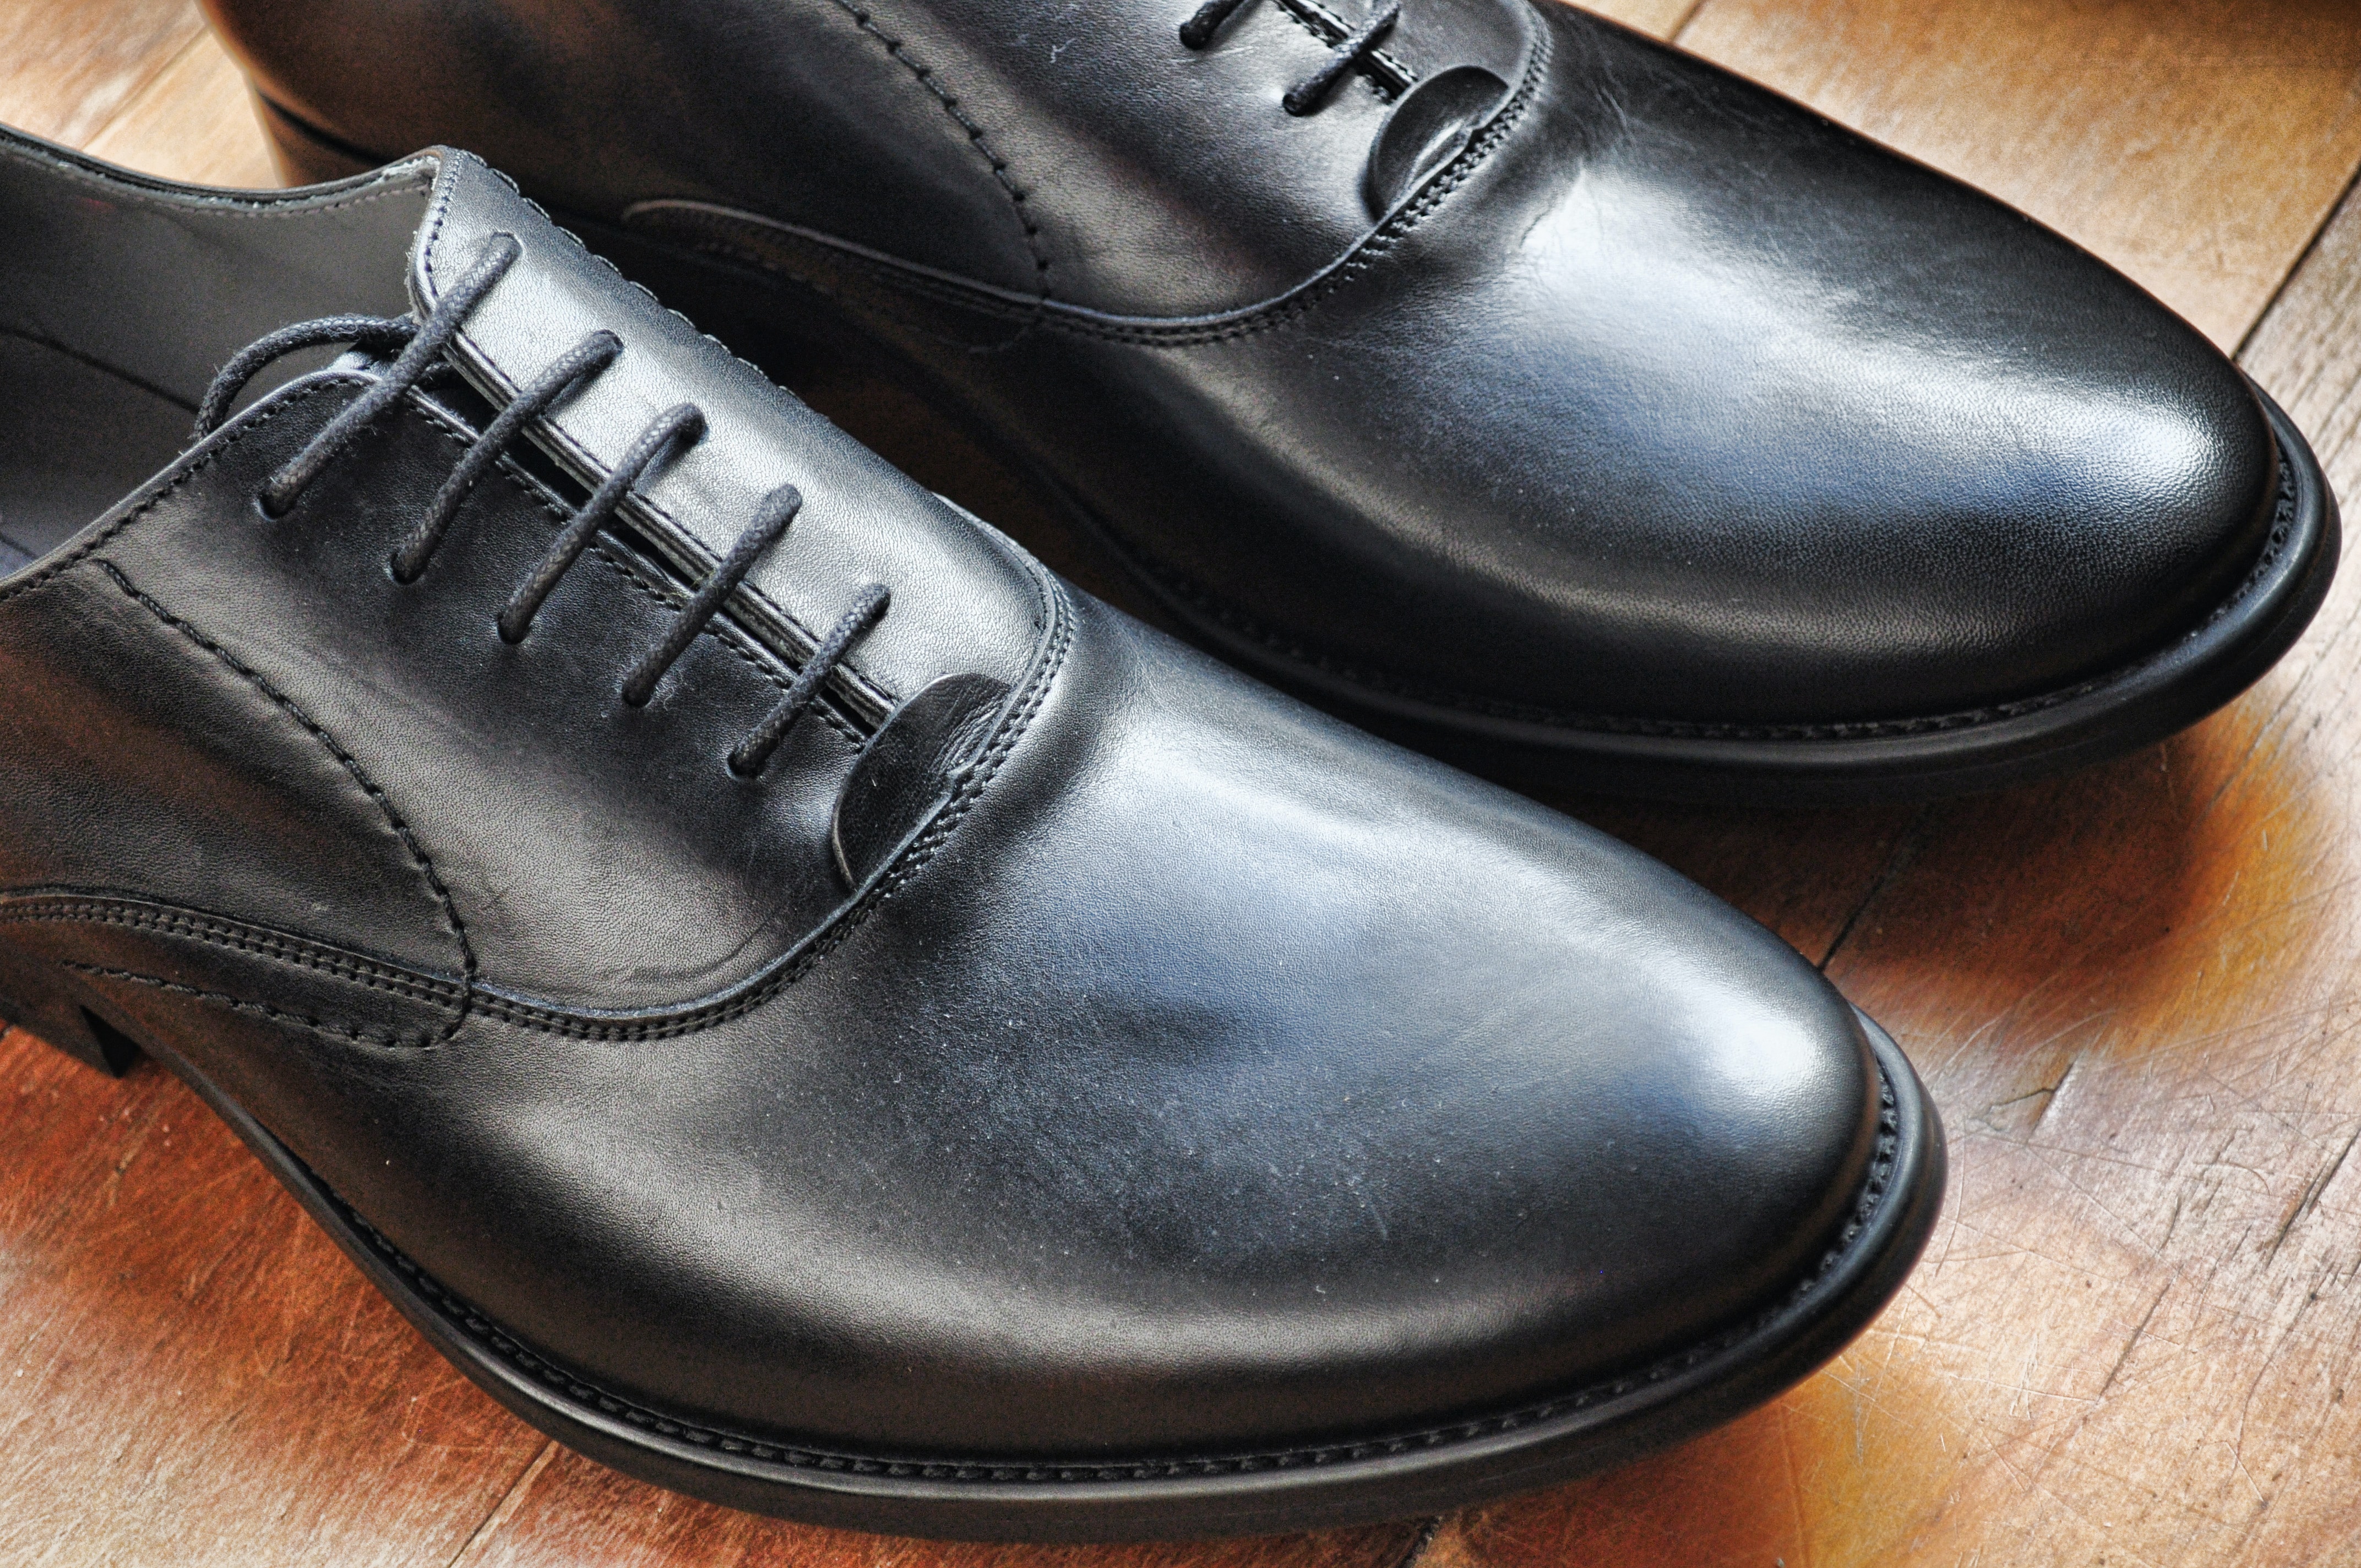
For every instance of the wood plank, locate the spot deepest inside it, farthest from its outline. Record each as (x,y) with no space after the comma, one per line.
(2197,143)
(573,1512)
(189,1369)
(194,121)
(1662,19)
(69,65)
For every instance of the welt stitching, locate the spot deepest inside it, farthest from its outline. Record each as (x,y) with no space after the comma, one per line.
(1876,1186)
(394,819)
(239,1003)
(244,428)
(613,557)
(1193,594)
(237,937)
(975,135)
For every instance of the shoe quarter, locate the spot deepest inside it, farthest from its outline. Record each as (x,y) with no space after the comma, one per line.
(248,718)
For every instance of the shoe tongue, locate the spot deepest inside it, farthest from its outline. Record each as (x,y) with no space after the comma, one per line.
(961,602)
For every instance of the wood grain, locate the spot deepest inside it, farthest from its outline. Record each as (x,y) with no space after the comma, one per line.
(1661,18)
(193,120)
(188,1367)
(2132,990)
(69,67)
(2196,144)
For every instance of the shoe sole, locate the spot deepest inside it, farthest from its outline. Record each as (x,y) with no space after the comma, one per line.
(1345,1481)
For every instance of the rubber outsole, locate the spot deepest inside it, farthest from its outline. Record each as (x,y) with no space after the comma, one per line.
(1344,1481)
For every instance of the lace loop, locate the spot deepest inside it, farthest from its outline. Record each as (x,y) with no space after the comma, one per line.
(756,748)
(1306,96)
(585,359)
(424,348)
(378,332)
(1199,30)
(779,509)
(680,425)
(420,362)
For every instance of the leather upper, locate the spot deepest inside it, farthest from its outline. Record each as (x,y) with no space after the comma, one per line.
(1195,1072)
(1657,399)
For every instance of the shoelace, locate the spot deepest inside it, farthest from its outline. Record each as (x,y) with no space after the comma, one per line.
(1307,96)
(420,359)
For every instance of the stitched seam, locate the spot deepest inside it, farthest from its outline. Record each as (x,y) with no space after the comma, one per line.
(708,243)
(976,135)
(394,819)
(263,1009)
(1187,590)
(1365,257)
(619,561)
(439,211)
(245,428)
(237,936)
(972,783)
(166,200)
(1876,1186)
(974,778)
(1357,264)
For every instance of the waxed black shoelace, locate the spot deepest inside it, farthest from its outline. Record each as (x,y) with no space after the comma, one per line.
(420,358)
(1307,96)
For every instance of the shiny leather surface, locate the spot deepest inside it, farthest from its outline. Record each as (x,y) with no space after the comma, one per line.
(1664,401)
(1198,1073)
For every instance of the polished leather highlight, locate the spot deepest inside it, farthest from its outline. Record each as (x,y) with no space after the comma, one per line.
(1656,430)
(1072,1090)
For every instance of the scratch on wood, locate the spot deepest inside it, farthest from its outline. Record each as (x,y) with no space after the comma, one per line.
(1906,850)
(2310,1198)
(1419,1542)
(502,1511)
(2133,1343)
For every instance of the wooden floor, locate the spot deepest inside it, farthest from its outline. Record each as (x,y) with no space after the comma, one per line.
(2134,993)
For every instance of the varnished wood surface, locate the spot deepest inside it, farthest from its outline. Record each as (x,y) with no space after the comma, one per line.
(2136,993)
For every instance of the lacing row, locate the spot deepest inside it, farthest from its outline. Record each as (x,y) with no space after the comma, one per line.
(420,359)
(1307,96)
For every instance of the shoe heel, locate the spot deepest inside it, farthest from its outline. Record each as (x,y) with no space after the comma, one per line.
(34,999)
(305,155)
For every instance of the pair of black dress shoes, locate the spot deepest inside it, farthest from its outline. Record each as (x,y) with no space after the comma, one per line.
(808,1008)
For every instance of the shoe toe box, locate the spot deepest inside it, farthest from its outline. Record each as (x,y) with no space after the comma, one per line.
(1263,1085)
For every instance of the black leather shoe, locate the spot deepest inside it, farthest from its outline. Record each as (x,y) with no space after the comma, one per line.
(794,1001)
(1546,396)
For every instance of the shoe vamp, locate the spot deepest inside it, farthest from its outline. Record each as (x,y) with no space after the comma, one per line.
(1224,1078)
(1687,405)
